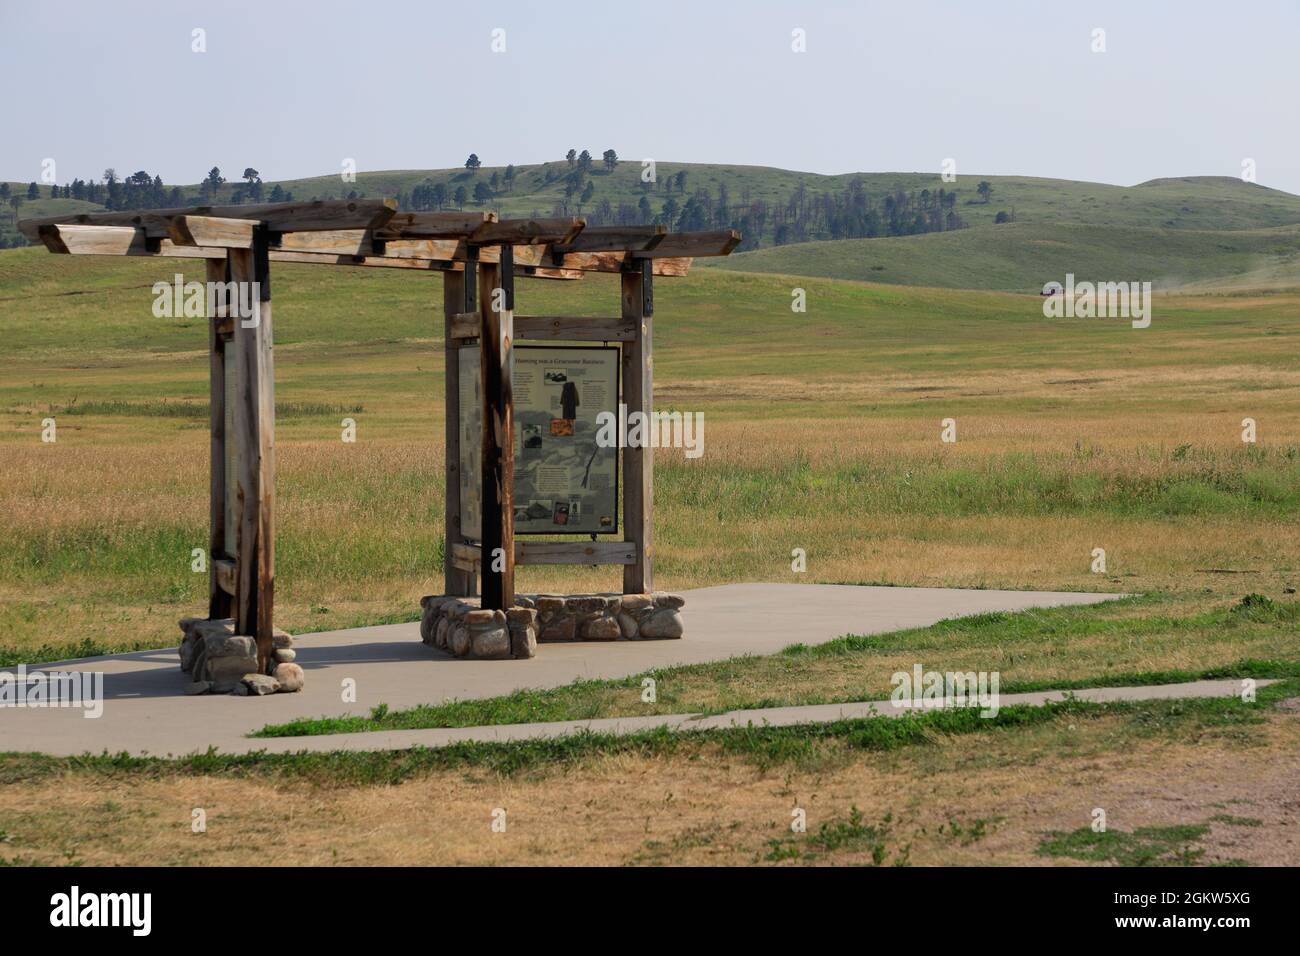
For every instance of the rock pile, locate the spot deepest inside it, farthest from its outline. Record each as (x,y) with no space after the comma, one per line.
(219,661)
(459,625)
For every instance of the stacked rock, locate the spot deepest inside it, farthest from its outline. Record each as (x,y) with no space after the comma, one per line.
(219,661)
(458,624)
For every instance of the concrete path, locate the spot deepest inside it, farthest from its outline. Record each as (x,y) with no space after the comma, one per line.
(767,716)
(146,712)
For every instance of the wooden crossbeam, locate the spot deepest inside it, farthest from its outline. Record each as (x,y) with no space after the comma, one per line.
(433,225)
(694,244)
(528,231)
(577,328)
(331,248)
(613,239)
(278,217)
(468,557)
(212,231)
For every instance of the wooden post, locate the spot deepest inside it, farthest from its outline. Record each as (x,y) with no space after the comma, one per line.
(219,601)
(638,463)
(455,580)
(498,554)
(255,449)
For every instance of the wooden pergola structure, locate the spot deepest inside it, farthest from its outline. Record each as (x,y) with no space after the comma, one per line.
(479,256)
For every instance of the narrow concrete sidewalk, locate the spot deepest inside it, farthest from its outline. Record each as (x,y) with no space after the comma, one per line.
(146,710)
(764,717)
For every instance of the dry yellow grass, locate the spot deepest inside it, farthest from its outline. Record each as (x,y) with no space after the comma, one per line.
(1012,786)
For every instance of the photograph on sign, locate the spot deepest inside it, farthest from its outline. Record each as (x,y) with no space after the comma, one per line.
(565,483)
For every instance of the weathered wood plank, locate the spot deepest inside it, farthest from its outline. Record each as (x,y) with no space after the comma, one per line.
(528,231)
(278,217)
(469,557)
(576,552)
(638,463)
(211,231)
(614,239)
(221,583)
(465,325)
(457,580)
(694,244)
(496,368)
(577,328)
(255,447)
(433,225)
(617,262)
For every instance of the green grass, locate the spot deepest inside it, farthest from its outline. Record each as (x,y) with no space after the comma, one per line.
(1024,255)
(806,746)
(1144,846)
(1011,644)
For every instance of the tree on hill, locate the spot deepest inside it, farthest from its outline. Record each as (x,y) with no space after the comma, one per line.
(482,192)
(211,183)
(587,193)
(473,163)
(1002,216)
(584,161)
(461,196)
(33,192)
(510,178)
(985,189)
(571,156)
(680,180)
(610,158)
(16,202)
(4,191)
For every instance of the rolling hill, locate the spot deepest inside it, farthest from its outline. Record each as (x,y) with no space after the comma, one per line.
(1195,232)
(1022,256)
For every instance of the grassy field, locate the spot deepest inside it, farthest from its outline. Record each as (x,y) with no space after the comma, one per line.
(1022,256)
(823,433)
(946,788)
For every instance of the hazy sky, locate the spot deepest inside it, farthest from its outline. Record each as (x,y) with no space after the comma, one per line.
(293,88)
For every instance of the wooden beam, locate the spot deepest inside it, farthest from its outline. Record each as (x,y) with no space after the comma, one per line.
(694,244)
(95,241)
(469,557)
(433,225)
(465,326)
(496,369)
(638,463)
(255,450)
(211,231)
(576,552)
(578,328)
(528,231)
(614,239)
(221,582)
(278,217)
(456,580)
(618,262)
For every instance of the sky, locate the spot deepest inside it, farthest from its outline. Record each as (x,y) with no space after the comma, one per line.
(1000,87)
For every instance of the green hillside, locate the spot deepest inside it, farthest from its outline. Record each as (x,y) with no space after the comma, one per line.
(1194,232)
(1022,256)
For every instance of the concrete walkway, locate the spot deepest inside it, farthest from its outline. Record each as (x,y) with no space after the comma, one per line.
(767,716)
(146,712)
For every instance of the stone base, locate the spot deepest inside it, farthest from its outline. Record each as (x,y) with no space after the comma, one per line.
(460,626)
(219,661)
